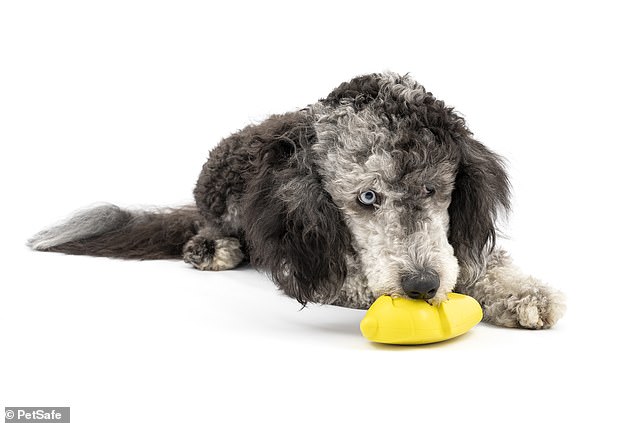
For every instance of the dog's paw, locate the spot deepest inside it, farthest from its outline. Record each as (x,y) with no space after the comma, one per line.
(540,311)
(536,307)
(213,254)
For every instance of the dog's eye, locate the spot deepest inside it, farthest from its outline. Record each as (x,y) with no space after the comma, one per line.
(368,198)
(428,190)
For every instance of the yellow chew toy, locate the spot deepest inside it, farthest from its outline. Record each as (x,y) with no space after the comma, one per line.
(408,322)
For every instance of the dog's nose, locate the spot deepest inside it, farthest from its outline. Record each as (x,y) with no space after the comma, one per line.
(422,285)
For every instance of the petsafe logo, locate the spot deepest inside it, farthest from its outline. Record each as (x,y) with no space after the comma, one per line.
(36,414)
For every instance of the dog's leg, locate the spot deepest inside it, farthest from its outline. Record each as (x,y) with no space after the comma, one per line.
(208,250)
(512,299)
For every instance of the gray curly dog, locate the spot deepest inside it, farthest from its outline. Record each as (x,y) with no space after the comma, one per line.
(377,189)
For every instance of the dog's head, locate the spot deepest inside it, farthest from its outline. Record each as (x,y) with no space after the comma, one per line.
(381,174)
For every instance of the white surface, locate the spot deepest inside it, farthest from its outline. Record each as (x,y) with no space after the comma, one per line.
(120,102)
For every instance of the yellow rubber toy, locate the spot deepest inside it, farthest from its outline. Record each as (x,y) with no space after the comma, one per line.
(409,322)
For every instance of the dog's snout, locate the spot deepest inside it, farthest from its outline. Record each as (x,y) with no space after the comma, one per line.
(423,285)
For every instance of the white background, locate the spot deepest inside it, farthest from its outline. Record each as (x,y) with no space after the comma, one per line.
(120,101)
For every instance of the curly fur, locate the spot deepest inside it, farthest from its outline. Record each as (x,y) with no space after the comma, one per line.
(283,195)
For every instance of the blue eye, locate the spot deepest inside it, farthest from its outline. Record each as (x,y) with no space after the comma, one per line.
(368,198)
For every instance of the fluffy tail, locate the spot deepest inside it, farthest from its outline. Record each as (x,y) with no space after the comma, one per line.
(108,231)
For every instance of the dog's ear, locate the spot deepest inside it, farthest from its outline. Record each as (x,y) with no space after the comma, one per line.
(293,228)
(481,190)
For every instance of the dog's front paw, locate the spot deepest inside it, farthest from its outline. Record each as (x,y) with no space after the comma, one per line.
(540,311)
(213,254)
(536,307)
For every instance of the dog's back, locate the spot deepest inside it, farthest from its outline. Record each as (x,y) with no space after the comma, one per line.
(110,231)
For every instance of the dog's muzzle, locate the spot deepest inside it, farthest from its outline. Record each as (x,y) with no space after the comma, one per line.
(423,285)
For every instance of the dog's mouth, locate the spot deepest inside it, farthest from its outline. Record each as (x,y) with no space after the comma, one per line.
(427,285)
(435,300)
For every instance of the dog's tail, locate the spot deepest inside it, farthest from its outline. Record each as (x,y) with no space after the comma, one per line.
(108,231)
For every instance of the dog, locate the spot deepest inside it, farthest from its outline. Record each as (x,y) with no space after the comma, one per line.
(379,188)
